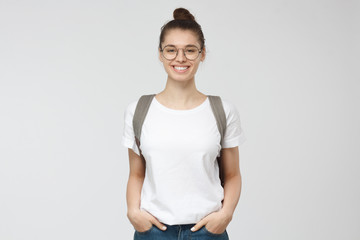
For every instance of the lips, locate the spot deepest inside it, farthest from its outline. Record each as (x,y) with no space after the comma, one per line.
(180,69)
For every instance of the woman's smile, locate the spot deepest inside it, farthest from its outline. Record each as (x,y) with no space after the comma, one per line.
(180,69)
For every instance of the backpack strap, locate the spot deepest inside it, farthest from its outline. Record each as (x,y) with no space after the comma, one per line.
(219,113)
(141,110)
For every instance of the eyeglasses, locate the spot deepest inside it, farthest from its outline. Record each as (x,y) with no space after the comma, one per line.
(170,52)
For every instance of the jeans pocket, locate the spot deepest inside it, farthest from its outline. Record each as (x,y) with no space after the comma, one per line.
(213,234)
(147,231)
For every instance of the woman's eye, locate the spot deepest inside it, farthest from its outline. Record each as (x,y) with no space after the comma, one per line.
(190,50)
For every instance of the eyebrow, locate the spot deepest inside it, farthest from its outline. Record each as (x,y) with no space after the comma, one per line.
(189,45)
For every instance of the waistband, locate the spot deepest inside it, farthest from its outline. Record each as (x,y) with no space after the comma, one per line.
(182,226)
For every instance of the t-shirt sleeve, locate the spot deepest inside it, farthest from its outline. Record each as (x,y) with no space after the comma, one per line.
(128,137)
(234,134)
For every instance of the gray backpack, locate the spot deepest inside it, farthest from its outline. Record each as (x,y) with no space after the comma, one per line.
(142,108)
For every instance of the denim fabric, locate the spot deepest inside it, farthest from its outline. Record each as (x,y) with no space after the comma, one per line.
(179,232)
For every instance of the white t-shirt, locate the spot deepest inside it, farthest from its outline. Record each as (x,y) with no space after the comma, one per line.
(182,184)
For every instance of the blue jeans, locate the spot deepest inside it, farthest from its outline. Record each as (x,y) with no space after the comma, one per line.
(179,232)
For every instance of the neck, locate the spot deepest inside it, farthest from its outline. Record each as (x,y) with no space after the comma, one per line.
(181,92)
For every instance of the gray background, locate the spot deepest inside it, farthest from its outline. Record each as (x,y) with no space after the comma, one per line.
(68,69)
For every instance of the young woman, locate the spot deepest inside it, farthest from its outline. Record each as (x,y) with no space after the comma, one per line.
(174,191)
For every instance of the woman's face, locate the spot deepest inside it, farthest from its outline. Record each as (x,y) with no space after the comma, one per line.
(180,39)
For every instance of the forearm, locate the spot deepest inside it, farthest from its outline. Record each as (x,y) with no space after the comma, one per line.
(232,191)
(133,192)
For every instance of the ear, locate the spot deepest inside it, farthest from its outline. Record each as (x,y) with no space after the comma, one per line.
(203,54)
(160,55)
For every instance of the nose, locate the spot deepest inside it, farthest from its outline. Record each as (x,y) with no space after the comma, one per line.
(181,56)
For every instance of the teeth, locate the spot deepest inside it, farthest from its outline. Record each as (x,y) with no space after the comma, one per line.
(180,68)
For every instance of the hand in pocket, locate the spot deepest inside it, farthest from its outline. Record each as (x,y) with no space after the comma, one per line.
(143,220)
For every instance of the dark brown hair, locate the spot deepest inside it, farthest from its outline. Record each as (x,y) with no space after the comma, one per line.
(184,20)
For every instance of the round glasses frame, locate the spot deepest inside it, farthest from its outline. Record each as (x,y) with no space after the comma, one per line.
(177,52)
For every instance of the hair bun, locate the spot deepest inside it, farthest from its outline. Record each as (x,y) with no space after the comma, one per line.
(183,14)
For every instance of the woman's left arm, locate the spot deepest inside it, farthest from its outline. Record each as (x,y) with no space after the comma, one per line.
(232,179)
(217,222)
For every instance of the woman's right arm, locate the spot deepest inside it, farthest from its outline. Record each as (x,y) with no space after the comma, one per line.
(135,182)
(141,220)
